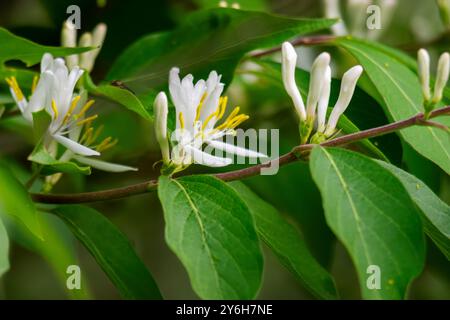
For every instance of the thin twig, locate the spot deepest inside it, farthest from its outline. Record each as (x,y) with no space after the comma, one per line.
(294,155)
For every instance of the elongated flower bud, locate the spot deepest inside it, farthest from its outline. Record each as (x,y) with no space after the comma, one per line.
(69,39)
(85,57)
(323,101)
(161,110)
(423,60)
(441,76)
(444,11)
(318,74)
(348,85)
(98,37)
(289,63)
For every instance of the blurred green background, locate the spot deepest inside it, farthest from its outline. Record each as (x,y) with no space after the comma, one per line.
(140,218)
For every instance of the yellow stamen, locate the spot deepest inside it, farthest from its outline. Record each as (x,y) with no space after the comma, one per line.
(96,134)
(73,105)
(87,135)
(223,107)
(55,109)
(106,145)
(199,107)
(80,123)
(207,120)
(181,118)
(85,108)
(12,82)
(34,84)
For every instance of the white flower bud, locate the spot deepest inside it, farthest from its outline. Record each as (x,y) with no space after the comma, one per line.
(69,39)
(423,61)
(289,63)
(85,57)
(348,86)
(441,76)
(333,11)
(323,101)
(318,73)
(161,109)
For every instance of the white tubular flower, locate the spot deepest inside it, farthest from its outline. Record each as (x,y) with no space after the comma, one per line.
(348,86)
(198,108)
(69,39)
(53,91)
(443,70)
(323,101)
(289,64)
(161,110)
(333,11)
(85,60)
(318,77)
(423,61)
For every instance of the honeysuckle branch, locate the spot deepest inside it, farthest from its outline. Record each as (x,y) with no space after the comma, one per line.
(303,41)
(297,153)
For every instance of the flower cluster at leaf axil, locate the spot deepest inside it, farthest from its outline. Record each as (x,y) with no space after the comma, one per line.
(431,99)
(198,109)
(67,121)
(313,116)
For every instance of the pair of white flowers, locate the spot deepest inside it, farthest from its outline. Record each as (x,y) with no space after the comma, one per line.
(198,109)
(442,75)
(314,114)
(70,127)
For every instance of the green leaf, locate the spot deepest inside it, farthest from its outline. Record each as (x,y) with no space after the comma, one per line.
(435,213)
(400,90)
(16,202)
(111,250)
(16,48)
(4,249)
(50,165)
(287,243)
(370,211)
(211,230)
(125,98)
(214,39)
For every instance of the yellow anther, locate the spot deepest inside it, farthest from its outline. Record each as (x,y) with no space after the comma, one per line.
(73,105)
(106,144)
(205,123)
(12,82)
(181,118)
(89,119)
(55,109)
(34,84)
(96,134)
(87,135)
(85,108)
(222,106)
(199,107)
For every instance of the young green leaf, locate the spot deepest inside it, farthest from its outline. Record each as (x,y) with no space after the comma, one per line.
(211,230)
(400,90)
(214,39)
(370,211)
(16,202)
(287,244)
(435,213)
(112,250)
(4,249)
(50,165)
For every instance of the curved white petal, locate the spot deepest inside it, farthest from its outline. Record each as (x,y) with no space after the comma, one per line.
(229,148)
(441,76)
(205,159)
(323,101)
(318,76)
(103,165)
(75,146)
(423,61)
(46,62)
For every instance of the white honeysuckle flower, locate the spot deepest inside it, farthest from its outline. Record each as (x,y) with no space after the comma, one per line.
(348,85)
(423,61)
(289,64)
(198,109)
(442,75)
(443,70)
(85,60)
(319,92)
(318,75)
(53,91)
